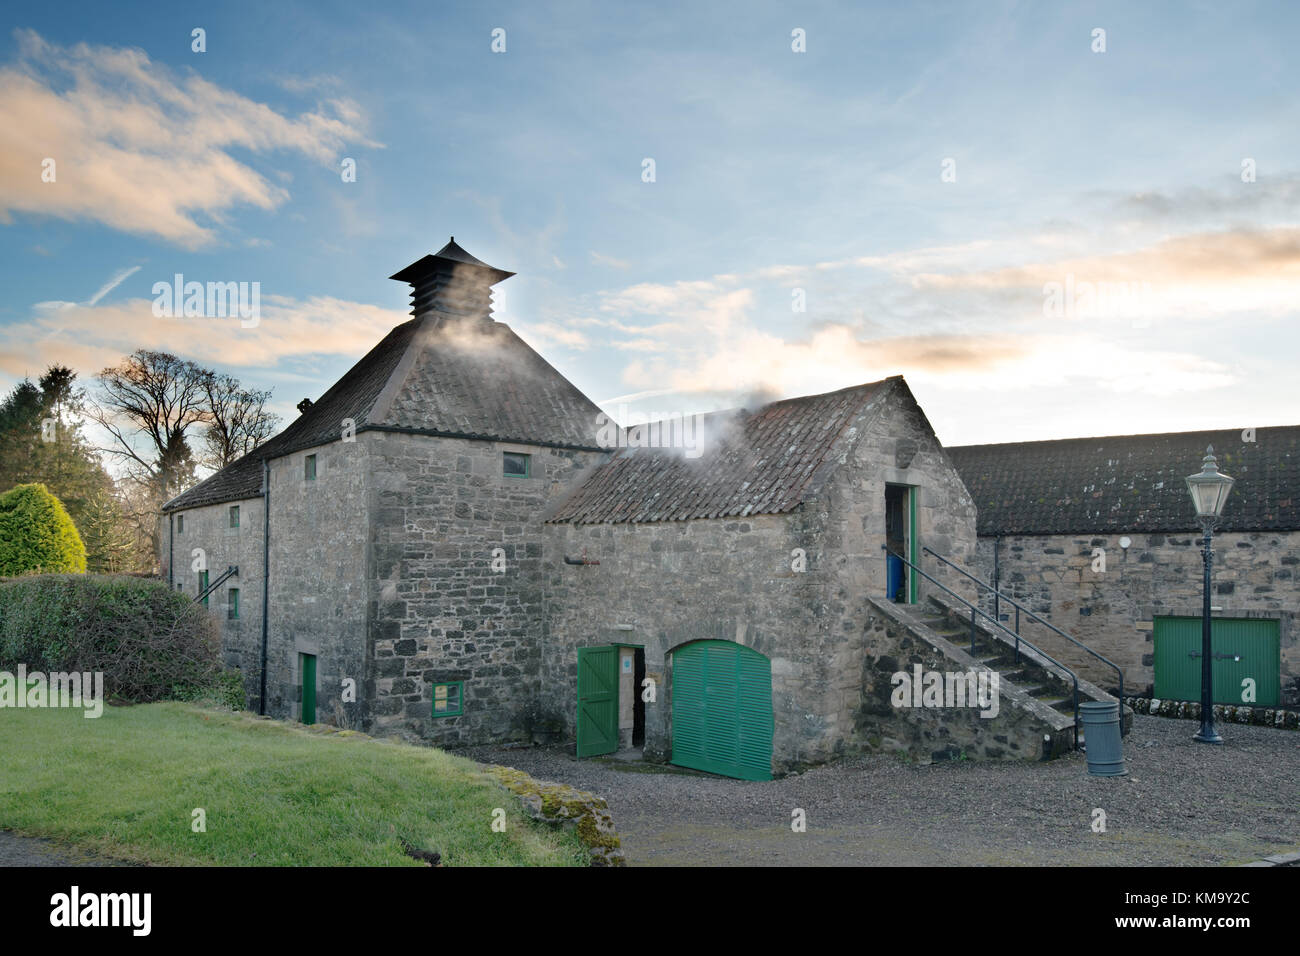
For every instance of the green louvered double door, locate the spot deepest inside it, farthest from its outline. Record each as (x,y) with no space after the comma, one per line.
(722,710)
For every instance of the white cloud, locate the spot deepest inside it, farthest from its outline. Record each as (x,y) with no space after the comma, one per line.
(90,338)
(542,334)
(603,260)
(140,149)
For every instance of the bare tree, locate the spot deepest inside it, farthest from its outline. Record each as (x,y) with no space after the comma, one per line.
(149,404)
(239,420)
(150,401)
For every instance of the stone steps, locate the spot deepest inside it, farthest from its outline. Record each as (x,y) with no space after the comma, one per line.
(997,652)
(1023,726)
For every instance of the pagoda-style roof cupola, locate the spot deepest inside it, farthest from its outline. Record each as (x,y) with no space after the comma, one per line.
(453,282)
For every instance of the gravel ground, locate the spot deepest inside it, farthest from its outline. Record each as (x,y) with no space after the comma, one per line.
(1182,803)
(18,850)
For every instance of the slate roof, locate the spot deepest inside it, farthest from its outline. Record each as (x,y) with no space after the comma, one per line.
(350,397)
(764,462)
(1130,483)
(480,380)
(470,378)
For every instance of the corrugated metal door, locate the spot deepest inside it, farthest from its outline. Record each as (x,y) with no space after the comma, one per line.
(597,700)
(722,710)
(1243,648)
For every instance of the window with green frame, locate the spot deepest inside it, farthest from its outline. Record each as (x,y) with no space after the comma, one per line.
(516,465)
(180,524)
(234,516)
(203,586)
(309,468)
(447,698)
(232,604)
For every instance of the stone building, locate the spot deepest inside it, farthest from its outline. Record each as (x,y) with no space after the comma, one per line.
(1098,536)
(769,542)
(405,557)
(453,545)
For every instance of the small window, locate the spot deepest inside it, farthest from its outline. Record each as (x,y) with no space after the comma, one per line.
(309,468)
(234,516)
(180,524)
(203,586)
(515,465)
(232,605)
(447,699)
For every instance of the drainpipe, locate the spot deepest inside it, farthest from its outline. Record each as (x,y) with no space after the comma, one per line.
(266,573)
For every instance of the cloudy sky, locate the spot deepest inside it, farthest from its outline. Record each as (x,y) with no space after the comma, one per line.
(1047,238)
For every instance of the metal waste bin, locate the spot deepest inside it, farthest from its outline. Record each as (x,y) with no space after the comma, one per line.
(1100,720)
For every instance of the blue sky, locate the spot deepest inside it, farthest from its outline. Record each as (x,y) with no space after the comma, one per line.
(775,171)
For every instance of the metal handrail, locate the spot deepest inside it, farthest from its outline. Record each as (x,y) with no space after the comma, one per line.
(1014,603)
(975,609)
(231,571)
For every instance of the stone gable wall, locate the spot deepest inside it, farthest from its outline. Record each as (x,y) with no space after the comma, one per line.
(318,549)
(438,611)
(896,447)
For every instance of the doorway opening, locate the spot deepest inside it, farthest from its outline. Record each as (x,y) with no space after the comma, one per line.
(638,702)
(900,518)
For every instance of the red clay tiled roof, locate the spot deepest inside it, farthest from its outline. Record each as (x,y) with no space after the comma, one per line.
(765,462)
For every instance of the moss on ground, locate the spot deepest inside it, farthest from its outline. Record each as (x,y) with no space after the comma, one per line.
(559,804)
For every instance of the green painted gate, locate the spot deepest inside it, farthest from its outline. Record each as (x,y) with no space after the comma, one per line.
(597,700)
(722,710)
(307,668)
(1242,648)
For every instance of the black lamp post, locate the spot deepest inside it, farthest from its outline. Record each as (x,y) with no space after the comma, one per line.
(1209,490)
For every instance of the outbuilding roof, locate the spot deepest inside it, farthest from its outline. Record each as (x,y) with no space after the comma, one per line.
(1131,483)
(762,462)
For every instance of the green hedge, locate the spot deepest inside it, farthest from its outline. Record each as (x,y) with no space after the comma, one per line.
(36,533)
(152,643)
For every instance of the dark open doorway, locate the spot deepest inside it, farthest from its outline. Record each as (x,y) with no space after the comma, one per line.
(638,703)
(897,540)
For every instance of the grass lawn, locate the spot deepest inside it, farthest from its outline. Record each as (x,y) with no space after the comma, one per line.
(274,794)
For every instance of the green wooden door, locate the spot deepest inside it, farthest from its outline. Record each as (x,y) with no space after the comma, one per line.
(722,710)
(1242,647)
(597,700)
(307,668)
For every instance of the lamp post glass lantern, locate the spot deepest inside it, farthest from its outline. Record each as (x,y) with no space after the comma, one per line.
(1209,490)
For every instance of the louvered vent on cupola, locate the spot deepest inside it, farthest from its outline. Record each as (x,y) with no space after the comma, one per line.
(452,282)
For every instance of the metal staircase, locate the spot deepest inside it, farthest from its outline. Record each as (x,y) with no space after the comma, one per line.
(1020,663)
(999,598)
(230,572)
